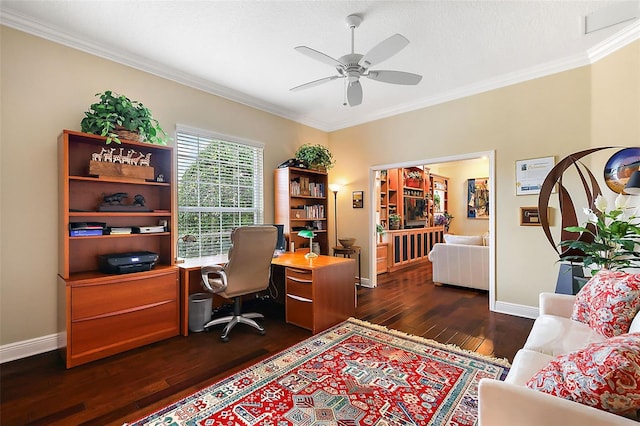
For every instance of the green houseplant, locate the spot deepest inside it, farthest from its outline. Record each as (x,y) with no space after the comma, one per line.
(315,156)
(615,237)
(380,231)
(394,221)
(115,112)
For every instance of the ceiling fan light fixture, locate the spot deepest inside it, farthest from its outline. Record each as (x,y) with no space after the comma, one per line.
(354,65)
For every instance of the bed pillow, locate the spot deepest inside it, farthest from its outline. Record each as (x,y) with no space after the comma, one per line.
(467,240)
(608,302)
(604,375)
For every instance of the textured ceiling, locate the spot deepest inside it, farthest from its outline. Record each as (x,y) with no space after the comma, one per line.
(244,50)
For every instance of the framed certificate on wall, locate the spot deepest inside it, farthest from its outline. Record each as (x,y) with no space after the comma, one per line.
(531,173)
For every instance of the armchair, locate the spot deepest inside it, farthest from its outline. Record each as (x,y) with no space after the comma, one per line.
(247,271)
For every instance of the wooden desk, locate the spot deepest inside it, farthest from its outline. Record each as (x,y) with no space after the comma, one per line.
(320,292)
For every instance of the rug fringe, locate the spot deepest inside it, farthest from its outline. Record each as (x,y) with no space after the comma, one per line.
(448,346)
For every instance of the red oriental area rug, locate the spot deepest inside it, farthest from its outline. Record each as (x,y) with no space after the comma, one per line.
(355,373)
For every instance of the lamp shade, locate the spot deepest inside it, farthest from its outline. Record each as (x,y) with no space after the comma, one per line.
(305,233)
(633,184)
(334,187)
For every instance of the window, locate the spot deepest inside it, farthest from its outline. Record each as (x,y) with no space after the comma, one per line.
(220,187)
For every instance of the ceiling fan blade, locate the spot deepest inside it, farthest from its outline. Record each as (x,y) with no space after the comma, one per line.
(354,93)
(394,77)
(384,50)
(319,56)
(315,83)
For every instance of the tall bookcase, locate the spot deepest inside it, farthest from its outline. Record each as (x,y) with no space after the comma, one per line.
(102,314)
(301,203)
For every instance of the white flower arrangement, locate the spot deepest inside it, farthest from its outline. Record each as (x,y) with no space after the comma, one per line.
(614,241)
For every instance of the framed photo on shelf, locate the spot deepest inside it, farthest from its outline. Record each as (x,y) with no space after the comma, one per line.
(478,198)
(358,199)
(530,174)
(529,216)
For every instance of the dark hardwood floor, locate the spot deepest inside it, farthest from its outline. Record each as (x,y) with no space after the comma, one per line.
(39,391)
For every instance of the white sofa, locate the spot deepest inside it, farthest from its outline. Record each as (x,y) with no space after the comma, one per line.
(465,265)
(553,333)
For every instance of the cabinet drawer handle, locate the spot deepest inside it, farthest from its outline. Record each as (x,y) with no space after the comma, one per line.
(298,280)
(299,298)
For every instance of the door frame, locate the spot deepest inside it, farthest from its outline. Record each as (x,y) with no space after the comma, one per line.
(373,238)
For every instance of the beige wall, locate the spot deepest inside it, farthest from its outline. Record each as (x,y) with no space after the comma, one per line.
(550,116)
(45,87)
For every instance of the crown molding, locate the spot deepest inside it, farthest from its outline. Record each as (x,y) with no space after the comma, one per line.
(42,30)
(624,37)
(603,49)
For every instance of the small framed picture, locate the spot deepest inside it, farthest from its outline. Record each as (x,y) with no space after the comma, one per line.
(529,216)
(358,199)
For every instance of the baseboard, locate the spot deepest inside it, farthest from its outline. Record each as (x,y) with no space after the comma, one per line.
(517,310)
(39,345)
(27,348)
(365,282)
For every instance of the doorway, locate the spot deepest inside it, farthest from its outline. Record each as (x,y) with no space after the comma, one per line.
(490,156)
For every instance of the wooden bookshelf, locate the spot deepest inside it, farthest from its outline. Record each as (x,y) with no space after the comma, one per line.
(103,314)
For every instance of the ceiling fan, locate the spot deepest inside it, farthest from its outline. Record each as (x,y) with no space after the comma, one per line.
(352,66)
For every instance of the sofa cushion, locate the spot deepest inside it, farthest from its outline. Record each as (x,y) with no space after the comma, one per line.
(554,335)
(604,375)
(468,240)
(525,365)
(608,302)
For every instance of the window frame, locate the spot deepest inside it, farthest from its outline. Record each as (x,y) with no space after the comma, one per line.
(214,238)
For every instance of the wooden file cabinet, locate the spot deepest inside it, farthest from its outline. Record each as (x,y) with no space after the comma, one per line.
(106,314)
(320,292)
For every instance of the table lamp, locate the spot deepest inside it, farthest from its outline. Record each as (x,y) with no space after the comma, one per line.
(305,233)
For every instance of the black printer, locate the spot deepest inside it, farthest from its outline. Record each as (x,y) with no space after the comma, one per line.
(124,263)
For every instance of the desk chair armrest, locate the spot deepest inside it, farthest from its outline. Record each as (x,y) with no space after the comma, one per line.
(215,270)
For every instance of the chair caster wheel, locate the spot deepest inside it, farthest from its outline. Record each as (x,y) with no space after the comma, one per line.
(262,332)
(225,339)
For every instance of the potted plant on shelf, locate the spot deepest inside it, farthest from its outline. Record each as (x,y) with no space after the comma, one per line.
(380,231)
(614,237)
(413,179)
(394,221)
(443,219)
(316,156)
(116,116)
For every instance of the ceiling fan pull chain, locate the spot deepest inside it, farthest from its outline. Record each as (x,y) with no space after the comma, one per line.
(344,102)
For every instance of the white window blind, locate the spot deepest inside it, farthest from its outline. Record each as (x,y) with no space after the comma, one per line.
(220,187)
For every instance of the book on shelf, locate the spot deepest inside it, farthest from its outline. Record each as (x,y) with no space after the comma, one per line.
(87,225)
(120,230)
(85,232)
(302,186)
(147,229)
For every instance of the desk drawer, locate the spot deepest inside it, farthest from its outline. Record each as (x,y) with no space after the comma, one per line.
(300,289)
(299,275)
(299,311)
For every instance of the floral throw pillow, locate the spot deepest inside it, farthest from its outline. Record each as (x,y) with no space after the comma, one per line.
(608,302)
(604,375)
